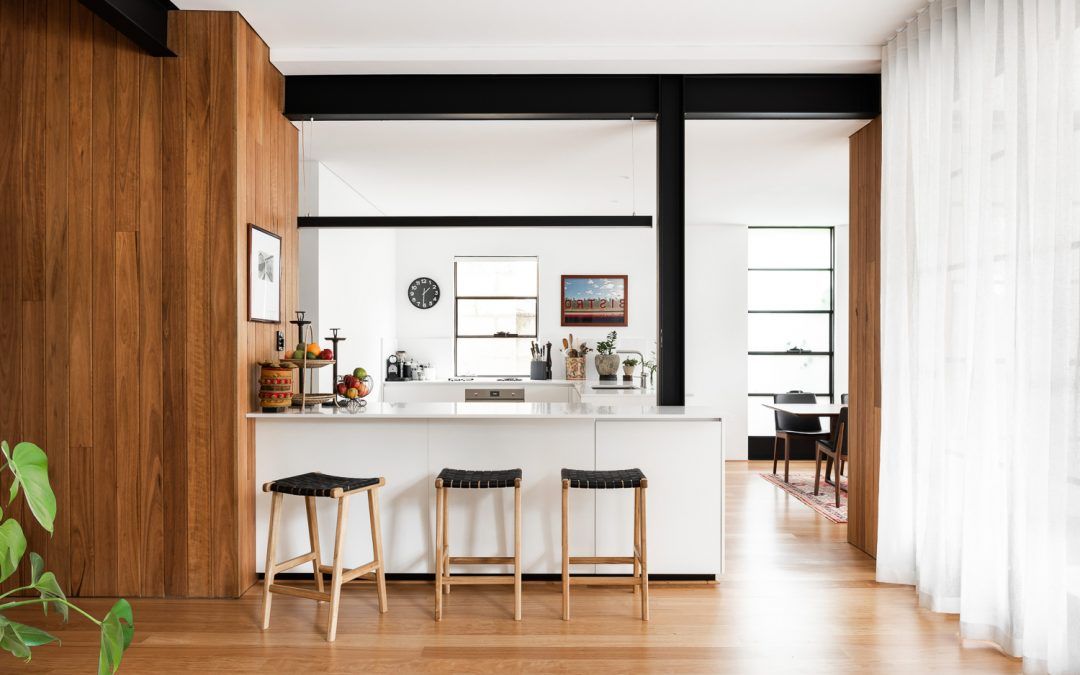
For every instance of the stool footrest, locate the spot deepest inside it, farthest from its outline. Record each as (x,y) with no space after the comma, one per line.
(478,580)
(482,560)
(605,581)
(602,560)
(294,562)
(299,592)
(349,575)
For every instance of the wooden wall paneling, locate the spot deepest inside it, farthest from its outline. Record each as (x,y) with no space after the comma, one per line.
(57,344)
(128,364)
(174,313)
(80,270)
(30,188)
(104,322)
(864,336)
(10,294)
(129,182)
(151,332)
(196,65)
(224,251)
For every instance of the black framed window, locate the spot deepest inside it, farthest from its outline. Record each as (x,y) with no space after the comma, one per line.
(496,309)
(791,327)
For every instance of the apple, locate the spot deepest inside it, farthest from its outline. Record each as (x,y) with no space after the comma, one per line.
(359,373)
(298,354)
(352,393)
(342,388)
(326,355)
(363,390)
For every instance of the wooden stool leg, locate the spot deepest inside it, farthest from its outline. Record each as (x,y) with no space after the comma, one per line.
(335,580)
(565,551)
(637,541)
(376,546)
(517,550)
(271,546)
(446,539)
(439,506)
(313,537)
(644,557)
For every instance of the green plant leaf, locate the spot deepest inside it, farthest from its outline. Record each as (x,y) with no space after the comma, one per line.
(117,629)
(50,591)
(31,468)
(10,642)
(12,547)
(37,567)
(28,635)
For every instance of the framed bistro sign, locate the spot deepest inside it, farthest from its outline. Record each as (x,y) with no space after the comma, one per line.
(594,300)
(264,275)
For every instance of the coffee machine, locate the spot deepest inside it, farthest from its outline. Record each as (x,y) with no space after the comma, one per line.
(394,367)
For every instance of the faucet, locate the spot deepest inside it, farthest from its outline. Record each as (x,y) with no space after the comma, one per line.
(641,362)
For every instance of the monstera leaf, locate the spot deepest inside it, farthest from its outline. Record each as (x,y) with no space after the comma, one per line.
(117,629)
(31,468)
(12,547)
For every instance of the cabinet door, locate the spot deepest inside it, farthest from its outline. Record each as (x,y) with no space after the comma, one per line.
(684,464)
(547,393)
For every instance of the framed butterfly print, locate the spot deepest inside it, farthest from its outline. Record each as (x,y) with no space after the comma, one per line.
(264,275)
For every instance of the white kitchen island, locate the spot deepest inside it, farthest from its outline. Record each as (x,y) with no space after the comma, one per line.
(680,450)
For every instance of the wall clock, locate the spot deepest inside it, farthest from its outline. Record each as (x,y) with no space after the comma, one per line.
(423,293)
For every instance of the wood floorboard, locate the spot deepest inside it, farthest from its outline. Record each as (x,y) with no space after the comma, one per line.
(796,597)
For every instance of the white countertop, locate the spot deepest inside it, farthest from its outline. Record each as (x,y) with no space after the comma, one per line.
(586,388)
(501,410)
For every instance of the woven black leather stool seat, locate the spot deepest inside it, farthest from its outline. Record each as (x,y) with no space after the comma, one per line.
(467,478)
(319,484)
(604,480)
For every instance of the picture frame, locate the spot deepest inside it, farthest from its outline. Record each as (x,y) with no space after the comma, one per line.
(595,300)
(264,275)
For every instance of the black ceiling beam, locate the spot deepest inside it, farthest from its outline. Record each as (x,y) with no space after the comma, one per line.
(474,221)
(783,96)
(388,97)
(402,97)
(145,22)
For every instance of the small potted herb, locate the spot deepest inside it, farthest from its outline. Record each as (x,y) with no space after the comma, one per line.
(628,366)
(607,361)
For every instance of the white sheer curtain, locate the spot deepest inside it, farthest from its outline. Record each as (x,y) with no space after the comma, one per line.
(980,467)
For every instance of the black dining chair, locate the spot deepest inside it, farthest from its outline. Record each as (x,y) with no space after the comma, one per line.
(790,426)
(843,399)
(835,449)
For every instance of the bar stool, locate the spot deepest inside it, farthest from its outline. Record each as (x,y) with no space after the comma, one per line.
(309,486)
(458,478)
(607,480)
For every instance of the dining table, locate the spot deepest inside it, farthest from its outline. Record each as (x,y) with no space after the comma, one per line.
(819,410)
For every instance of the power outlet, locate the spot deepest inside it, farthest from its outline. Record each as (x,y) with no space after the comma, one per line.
(279,341)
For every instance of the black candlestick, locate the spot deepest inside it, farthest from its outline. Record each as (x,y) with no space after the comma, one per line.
(334,339)
(300,322)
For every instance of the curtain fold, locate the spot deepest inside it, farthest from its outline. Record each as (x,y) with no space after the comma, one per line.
(979,503)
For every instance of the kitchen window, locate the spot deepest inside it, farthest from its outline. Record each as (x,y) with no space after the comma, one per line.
(790,294)
(495,315)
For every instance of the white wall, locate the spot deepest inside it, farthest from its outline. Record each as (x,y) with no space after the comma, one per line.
(347,280)
(428,334)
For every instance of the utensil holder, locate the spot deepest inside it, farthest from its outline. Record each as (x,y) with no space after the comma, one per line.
(575,367)
(537,370)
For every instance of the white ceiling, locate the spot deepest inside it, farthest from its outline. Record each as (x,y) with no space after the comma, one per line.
(572,36)
(748,172)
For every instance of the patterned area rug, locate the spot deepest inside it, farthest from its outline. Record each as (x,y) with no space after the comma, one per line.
(801,487)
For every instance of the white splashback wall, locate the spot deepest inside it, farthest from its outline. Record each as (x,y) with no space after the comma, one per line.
(427,334)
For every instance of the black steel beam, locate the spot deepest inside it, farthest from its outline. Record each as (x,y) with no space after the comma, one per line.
(671,241)
(474,221)
(783,96)
(387,97)
(145,22)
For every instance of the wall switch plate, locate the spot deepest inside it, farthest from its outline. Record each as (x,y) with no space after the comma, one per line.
(279,341)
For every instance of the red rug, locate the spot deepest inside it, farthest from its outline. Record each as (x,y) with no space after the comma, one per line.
(801,487)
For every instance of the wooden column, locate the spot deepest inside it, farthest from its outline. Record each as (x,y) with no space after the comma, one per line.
(864,365)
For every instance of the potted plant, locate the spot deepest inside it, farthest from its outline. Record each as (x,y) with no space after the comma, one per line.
(30,475)
(649,365)
(628,366)
(607,361)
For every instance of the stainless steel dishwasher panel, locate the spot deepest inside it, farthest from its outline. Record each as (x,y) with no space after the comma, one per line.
(500,394)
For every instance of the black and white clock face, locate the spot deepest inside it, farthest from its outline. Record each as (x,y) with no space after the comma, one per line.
(423,293)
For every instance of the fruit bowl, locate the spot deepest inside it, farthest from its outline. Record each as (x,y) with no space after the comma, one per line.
(351,389)
(311,363)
